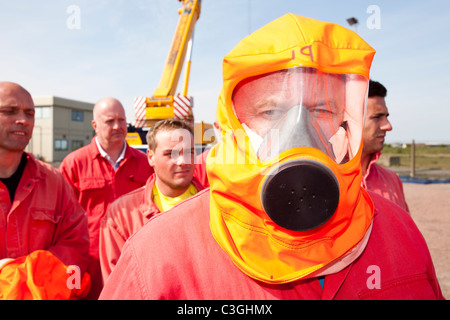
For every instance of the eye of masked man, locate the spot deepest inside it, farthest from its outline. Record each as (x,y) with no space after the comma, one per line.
(285,181)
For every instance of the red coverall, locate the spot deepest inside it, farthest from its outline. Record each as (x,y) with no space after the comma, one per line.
(174,256)
(97,185)
(44,215)
(385,183)
(124,217)
(200,168)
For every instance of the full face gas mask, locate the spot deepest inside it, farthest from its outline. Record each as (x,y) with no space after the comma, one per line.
(285,180)
(305,115)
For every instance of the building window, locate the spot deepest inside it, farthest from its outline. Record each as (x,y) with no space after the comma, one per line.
(61,145)
(42,112)
(76,144)
(77,115)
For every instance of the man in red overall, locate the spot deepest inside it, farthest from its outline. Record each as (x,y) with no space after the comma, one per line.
(285,216)
(102,171)
(375,177)
(171,154)
(43,228)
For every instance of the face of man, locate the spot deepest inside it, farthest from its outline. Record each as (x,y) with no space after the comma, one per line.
(376,125)
(297,107)
(173,161)
(110,122)
(262,102)
(16,117)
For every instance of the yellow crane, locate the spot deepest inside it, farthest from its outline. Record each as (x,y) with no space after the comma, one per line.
(165,103)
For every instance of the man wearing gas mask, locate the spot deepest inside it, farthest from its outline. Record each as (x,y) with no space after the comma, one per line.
(285,216)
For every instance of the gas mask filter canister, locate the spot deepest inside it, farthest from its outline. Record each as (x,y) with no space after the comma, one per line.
(301,196)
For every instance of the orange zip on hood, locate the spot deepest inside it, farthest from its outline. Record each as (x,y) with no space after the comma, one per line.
(258,246)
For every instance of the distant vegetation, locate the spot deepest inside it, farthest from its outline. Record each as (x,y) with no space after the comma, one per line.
(430,161)
(420,149)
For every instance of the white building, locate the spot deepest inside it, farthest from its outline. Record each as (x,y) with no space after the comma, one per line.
(61,126)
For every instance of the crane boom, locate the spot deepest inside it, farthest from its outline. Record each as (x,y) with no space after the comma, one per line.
(164,103)
(172,70)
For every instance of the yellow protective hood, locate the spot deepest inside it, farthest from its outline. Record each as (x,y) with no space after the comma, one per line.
(260,248)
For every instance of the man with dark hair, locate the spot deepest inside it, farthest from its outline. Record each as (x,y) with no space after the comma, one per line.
(376,89)
(171,154)
(377,178)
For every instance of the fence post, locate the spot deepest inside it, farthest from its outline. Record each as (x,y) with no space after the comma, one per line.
(413,159)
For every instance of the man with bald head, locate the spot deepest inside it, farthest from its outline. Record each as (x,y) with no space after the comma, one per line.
(103,171)
(110,126)
(41,222)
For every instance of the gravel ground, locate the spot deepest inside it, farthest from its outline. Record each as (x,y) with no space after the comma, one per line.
(429,205)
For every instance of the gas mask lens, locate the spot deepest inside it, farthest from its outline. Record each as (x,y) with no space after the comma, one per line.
(302,107)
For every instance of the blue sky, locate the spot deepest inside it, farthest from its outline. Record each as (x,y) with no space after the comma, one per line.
(121,46)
